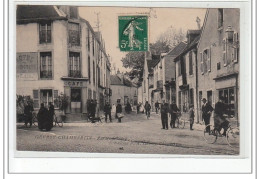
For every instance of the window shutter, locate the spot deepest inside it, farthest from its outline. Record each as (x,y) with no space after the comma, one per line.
(224,44)
(36,98)
(201,63)
(235,47)
(209,59)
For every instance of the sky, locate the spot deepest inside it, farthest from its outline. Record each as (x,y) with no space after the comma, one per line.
(161,19)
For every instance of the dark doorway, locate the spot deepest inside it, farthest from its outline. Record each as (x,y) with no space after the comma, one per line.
(75,100)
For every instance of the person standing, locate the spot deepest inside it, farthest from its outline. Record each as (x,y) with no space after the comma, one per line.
(147,107)
(156,107)
(174,110)
(164,115)
(107,110)
(191,116)
(206,112)
(118,111)
(28,109)
(42,117)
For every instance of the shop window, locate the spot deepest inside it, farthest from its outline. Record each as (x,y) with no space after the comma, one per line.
(45,65)
(45,32)
(46,97)
(74,34)
(75,65)
(228,95)
(36,99)
(220,18)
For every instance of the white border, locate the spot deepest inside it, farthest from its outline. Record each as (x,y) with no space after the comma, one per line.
(182,164)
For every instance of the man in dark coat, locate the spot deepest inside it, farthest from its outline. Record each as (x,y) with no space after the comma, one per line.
(107,111)
(206,112)
(51,111)
(156,107)
(28,109)
(174,110)
(164,115)
(43,119)
(147,107)
(219,119)
(118,111)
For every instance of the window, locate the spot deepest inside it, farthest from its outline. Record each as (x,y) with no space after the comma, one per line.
(45,32)
(229,98)
(220,18)
(88,41)
(74,34)
(224,51)
(75,67)
(55,96)
(185,98)
(191,96)
(89,94)
(209,97)
(201,63)
(218,66)
(190,64)
(89,72)
(235,55)
(36,99)
(94,74)
(205,60)
(93,46)
(46,97)
(45,65)
(179,99)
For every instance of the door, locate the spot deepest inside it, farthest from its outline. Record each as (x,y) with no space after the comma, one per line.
(75,100)
(46,97)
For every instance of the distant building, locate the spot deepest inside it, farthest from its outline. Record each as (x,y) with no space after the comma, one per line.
(164,76)
(59,52)
(218,59)
(123,90)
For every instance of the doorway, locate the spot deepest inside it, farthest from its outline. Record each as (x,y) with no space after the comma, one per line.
(46,97)
(75,100)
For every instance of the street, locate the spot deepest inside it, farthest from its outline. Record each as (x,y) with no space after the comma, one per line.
(135,134)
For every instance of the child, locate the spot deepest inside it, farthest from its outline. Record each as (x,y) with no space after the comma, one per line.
(191,116)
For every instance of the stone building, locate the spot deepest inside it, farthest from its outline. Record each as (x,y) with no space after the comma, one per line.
(186,73)
(218,59)
(164,76)
(59,52)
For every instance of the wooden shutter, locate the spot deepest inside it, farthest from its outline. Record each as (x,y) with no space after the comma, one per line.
(209,59)
(235,47)
(224,57)
(201,63)
(36,98)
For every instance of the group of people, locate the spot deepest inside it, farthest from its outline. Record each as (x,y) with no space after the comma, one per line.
(44,116)
(91,107)
(114,109)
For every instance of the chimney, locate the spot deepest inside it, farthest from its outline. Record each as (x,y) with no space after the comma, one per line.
(198,22)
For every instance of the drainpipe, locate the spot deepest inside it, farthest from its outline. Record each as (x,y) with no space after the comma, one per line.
(197,92)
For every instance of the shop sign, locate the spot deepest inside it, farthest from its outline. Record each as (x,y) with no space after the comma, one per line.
(26,66)
(74,83)
(27,76)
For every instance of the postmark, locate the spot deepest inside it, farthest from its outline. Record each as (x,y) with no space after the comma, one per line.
(133,33)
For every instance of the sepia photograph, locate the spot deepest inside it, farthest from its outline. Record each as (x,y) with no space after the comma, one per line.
(130,80)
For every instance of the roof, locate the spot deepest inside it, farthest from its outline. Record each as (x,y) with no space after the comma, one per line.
(35,13)
(116,80)
(151,63)
(189,47)
(178,49)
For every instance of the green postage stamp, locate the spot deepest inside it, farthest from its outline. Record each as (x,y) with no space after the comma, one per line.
(133,32)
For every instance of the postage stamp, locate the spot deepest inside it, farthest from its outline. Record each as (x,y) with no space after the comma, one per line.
(133,32)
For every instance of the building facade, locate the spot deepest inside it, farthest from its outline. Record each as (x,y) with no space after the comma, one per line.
(59,52)
(186,74)
(218,59)
(123,90)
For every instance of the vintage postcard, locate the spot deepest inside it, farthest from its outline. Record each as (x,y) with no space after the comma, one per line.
(128,80)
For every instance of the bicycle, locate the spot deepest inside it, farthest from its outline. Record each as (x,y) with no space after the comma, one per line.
(232,135)
(57,120)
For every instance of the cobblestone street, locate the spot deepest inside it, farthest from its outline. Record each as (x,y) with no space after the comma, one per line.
(135,134)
